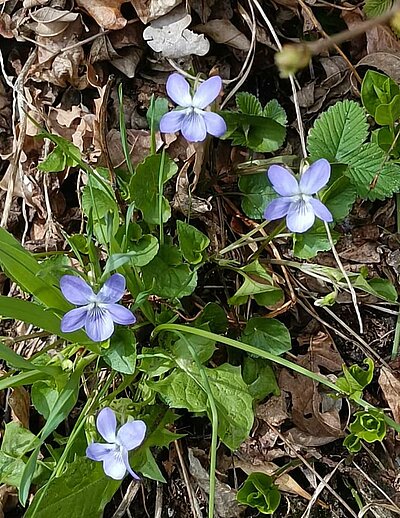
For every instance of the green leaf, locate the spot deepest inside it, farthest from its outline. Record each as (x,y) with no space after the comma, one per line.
(260,378)
(248,104)
(17,441)
(82,490)
(352,443)
(355,378)
(339,197)
(121,355)
(64,154)
(369,426)
(374,8)
(260,492)
(55,161)
(182,389)
(267,334)
(213,315)
(192,242)
(204,348)
(167,276)
(339,131)
(274,110)
(44,396)
(255,132)
(377,89)
(387,141)
(140,253)
(371,175)
(315,240)
(258,193)
(258,284)
(388,114)
(144,188)
(160,109)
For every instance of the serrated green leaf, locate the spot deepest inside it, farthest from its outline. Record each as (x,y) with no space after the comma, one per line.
(371,175)
(257,194)
(274,110)
(374,8)
(338,132)
(248,104)
(339,198)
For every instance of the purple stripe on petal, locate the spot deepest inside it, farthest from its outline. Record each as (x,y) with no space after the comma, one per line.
(114,466)
(99,325)
(215,124)
(194,128)
(132,434)
(97,451)
(76,290)
(172,121)
(74,320)
(125,458)
(321,211)
(112,290)
(300,217)
(107,424)
(121,315)
(178,89)
(277,209)
(284,183)
(207,92)
(315,177)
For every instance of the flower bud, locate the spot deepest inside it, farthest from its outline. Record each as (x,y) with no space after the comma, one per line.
(292,58)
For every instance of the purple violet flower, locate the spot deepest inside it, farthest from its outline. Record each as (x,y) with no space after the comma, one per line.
(296,201)
(190,118)
(98,311)
(114,454)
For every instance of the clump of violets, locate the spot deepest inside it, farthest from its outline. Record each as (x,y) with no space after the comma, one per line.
(98,311)
(296,200)
(115,453)
(190,117)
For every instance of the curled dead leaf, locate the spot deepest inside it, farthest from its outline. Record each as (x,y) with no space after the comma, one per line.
(169,36)
(148,10)
(223,31)
(107,13)
(390,386)
(19,402)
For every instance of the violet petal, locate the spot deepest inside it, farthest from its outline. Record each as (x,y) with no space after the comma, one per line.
(121,315)
(112,290)
(98,451)
(106,424)
(99,324)
(277,208)
(113,465)
(207,92)
(178,89)
(215,124)
(321,211)
(194,128)
(172,122)
(315,177)
(283,182)
(131,434)
(125,458)
(300,217)
(74,320)
(76,290)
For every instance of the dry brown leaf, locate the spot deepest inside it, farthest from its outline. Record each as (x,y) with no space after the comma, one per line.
(310,411)
(19,403)
(382,39)
(285,482)
(5,26)
(8,499)
(223,31)
(390,386)
(107,13)
(365,253)
(148,10)
(138,142)
(386,62)
(169,36)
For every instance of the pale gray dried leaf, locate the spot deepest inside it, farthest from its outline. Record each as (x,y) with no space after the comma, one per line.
(128,60)
(49,22)
(169,36)
(226,505)
(386,62)
(223,31)
(148,10)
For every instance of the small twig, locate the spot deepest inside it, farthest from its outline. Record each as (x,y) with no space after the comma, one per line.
(341,268)
(192,499)
(127,499)
(159,501)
